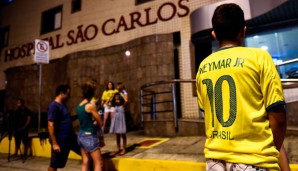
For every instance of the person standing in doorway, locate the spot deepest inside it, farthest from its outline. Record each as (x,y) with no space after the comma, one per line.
(241,94)
(22,120)
(62,137)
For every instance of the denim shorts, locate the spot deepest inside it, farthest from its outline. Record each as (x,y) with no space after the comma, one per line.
(88,141)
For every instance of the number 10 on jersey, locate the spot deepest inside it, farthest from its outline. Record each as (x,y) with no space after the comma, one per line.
(215,97)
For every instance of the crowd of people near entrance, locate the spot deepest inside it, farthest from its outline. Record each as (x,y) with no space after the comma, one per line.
(90,138)
(93,112)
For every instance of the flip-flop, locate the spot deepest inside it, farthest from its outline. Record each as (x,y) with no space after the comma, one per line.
(122,153)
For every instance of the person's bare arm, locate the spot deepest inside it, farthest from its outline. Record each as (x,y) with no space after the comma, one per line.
(284,161)
(27,122)
(125,99)
(92,109)
(51,129)
(109,100)
(278,124)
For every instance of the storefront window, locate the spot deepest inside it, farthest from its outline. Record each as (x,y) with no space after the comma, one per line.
(282,45)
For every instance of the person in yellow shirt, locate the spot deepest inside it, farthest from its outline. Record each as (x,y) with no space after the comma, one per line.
(107,95)
(240,93)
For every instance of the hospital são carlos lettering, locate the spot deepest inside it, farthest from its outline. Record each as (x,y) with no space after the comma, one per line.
(112,26)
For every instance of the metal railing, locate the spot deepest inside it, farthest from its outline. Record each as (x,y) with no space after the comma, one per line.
(285,63)
(150,101)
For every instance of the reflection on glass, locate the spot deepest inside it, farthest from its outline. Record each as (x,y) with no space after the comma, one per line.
(282,45)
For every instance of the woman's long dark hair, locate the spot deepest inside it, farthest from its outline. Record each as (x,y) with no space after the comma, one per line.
(88,91)
(113,86)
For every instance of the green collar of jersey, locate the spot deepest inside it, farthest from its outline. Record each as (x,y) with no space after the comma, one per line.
(224,48)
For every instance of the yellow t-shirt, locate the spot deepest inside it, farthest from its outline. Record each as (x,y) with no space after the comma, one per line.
(235,87)
(107,94)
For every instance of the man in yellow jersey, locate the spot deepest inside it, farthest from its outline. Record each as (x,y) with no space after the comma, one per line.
(241,95)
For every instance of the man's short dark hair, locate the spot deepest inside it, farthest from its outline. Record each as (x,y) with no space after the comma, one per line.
(21,100)
(227,21)
(62,88)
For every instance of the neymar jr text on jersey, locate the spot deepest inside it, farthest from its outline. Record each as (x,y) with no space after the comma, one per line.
(222,63)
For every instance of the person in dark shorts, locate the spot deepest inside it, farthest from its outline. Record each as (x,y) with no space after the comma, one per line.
(22,119)
(62,137)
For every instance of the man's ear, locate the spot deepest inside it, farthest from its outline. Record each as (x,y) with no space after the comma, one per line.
(214,35)
(243,33)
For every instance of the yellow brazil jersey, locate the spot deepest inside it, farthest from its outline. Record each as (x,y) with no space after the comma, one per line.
(93,100)
(107,94)
(235,87)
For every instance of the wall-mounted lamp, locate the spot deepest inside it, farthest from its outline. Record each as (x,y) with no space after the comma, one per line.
(127,53)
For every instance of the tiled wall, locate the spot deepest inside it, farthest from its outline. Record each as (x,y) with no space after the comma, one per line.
(108,64)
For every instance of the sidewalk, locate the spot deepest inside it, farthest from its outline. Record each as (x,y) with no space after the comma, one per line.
(178,153)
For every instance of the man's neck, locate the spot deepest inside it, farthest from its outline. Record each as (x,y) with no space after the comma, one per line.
(227,43)
(58,99)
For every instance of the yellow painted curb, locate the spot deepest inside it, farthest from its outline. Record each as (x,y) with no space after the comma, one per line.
(38,149)
(294,167)
(132,164)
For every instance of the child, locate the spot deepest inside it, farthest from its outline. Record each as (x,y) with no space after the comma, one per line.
(118,125)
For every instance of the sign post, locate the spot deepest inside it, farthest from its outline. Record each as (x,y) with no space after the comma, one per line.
(41,56)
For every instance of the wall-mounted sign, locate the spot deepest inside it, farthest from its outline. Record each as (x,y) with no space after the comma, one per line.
(42,52)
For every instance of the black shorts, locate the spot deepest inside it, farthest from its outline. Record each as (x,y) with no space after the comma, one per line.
(21,135)
(58,160)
